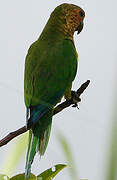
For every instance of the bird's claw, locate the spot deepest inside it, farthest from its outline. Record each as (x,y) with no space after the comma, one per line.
(76,105)
(75,99)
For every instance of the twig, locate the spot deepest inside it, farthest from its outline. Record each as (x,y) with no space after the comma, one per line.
(60,107)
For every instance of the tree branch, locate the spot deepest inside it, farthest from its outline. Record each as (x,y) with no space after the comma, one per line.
(73,101)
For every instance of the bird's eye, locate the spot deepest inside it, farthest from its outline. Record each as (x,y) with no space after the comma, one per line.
(81,14)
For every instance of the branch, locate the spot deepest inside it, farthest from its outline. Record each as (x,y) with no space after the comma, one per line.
(73,101)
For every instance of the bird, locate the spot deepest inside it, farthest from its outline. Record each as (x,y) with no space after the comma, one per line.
(50,68)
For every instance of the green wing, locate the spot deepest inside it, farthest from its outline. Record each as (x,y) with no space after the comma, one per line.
(48,70)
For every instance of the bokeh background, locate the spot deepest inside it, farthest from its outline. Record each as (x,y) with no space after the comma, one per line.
(88,129)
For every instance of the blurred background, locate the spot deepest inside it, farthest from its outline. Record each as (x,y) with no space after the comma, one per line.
(88,129)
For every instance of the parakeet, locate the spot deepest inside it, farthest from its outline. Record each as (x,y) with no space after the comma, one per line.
(50,68)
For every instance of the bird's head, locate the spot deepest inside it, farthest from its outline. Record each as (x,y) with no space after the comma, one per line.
(70,16)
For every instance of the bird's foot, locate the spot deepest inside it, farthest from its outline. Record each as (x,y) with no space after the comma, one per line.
(75,99)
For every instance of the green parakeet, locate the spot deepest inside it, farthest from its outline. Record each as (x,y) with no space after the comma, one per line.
(50,68)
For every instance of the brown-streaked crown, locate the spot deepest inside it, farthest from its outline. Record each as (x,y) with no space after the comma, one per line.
(70,17)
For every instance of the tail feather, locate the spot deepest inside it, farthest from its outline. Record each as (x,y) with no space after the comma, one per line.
(32,149)
(38,139)
(43,142)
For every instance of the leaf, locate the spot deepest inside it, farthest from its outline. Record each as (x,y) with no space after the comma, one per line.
(49,174)
(15,153)
(68,155)
(3,177)
(22,177)
(112,150)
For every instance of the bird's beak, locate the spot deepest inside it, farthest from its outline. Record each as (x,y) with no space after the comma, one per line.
(80,27)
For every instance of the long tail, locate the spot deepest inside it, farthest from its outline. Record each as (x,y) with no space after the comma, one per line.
(38,139)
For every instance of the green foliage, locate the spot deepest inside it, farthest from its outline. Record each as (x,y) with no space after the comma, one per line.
(22,177)
(3,177)
(46,175)
(68,155)
(51,173)
(111,173)
(15,154)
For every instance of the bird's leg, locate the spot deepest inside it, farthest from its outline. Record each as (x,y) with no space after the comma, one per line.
(75,99)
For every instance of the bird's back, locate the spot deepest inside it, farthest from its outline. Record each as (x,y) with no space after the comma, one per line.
(49,69)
